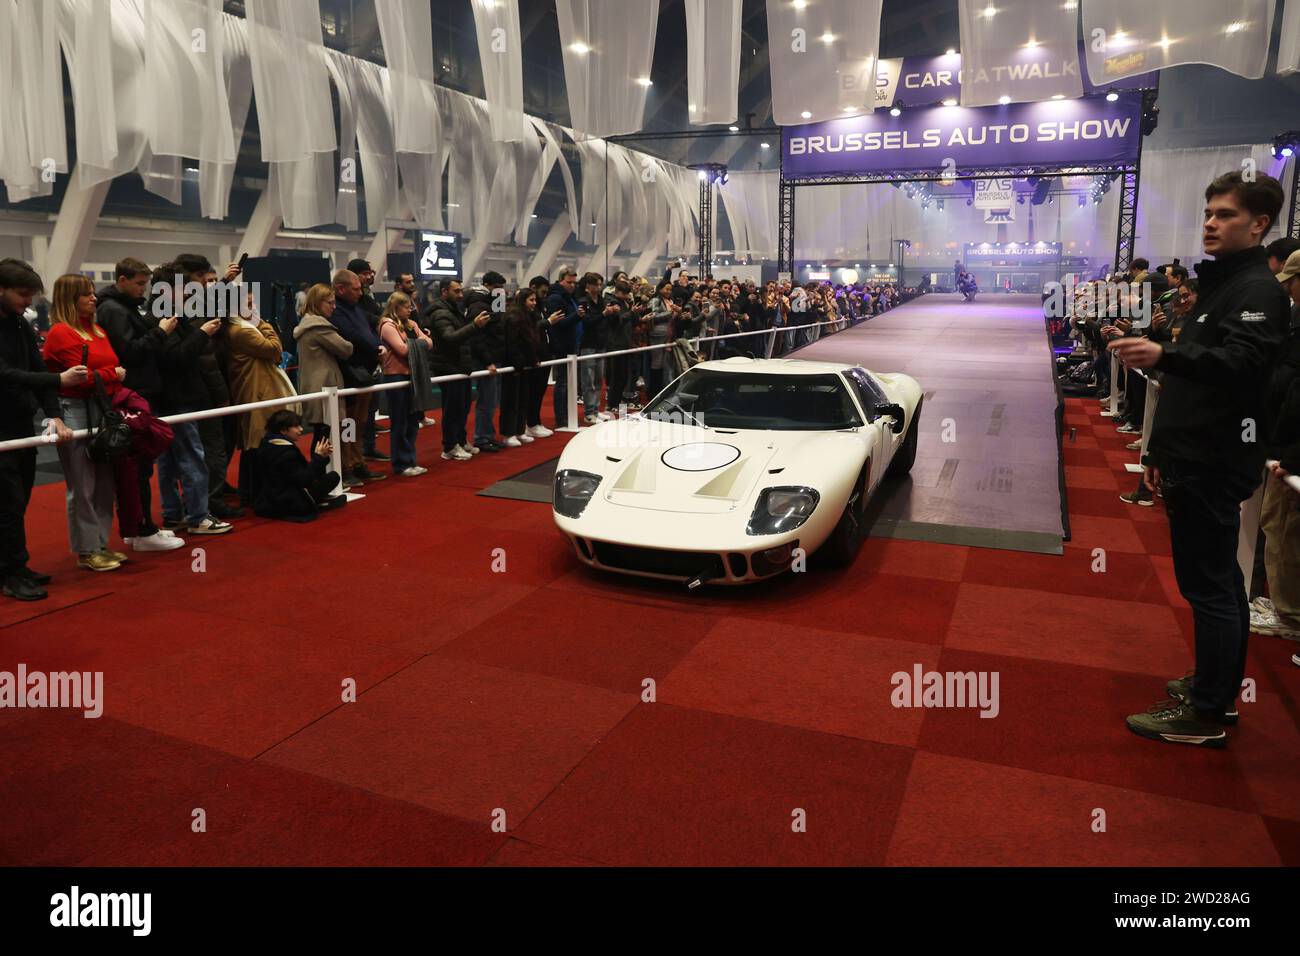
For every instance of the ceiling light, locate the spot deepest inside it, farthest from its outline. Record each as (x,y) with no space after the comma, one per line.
(850,109)
(734,129)
(828,37)
(1235,26)
(1031,45)
(1164,43)
(951,52)
(1004,100)
(1070,5)
(950,102)
(580,48)
(1112,96)
(895,111)
(990,11)
(1058,96)
(765,145)
(645,81)
(692,107)
(800,4)
(806,115)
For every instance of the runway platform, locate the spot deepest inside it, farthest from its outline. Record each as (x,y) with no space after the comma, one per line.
(987,466)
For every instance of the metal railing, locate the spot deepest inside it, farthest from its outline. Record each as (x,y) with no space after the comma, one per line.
(331,395)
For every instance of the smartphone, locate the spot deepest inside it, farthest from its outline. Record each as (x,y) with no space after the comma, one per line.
(242,259)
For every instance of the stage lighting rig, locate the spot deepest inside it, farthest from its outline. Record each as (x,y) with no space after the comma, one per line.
(1287,144)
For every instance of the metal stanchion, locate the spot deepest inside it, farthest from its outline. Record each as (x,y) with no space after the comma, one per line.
(331,407)
(571,371)
(1114,388)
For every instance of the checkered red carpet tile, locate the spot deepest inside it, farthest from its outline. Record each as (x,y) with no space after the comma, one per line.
(519,697)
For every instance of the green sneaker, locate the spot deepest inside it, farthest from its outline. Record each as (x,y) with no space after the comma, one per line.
(1177,723)
(1181,689)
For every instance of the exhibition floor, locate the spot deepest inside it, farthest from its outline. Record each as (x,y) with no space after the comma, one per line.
(481,691)
(987,470)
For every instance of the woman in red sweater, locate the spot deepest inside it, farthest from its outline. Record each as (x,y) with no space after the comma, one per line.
(75,338)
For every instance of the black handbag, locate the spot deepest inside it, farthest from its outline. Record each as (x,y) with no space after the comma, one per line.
(111,438)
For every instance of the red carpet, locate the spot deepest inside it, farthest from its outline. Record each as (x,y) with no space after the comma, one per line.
(484,691)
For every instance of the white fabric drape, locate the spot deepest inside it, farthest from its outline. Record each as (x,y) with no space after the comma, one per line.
(608,46)
(184,72)
(304,190)
(751,201)
(1027,50)
(34,144)
(1124,39)
(1171,195)
(712,60)
(374,134)
(295,118)
(500,51)
(823,58)
(405,26)
(1288,51)
(215,179)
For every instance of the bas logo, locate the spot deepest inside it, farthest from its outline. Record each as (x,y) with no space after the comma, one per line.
(103,909)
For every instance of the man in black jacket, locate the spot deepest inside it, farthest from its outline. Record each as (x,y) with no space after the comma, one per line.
(368,304)
(186,351)
(453,354)
(1279,614)
(353,323)
(138,339)
(1206,448)
(26,387)
(488,351)
(566,336)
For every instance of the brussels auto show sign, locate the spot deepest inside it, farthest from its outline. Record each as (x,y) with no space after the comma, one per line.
(1089,131)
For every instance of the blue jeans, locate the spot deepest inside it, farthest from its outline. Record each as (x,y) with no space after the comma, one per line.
(591,375)
(403,425)
(485,409)
(183,463)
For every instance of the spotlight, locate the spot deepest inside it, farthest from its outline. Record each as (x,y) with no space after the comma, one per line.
(1150,120)
(1286,144)
(895,111)
(1112,96)
(1042,191)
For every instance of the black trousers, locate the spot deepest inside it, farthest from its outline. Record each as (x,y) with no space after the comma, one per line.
(1135,391)
(215,456)
(513,394)
(539,381)
(17,475)
(455,413)
(144,473)
(619,368)
(1204,524)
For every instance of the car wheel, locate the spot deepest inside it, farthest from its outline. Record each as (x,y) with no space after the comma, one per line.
(902,463)
(843,544)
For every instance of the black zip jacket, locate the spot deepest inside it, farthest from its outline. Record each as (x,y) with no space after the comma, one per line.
(452,335)
(136,338)
(26,385)
(1213,392)
(186,363)
(489,346)
(1284,400)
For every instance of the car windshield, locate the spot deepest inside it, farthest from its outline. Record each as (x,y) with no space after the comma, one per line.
(745,400)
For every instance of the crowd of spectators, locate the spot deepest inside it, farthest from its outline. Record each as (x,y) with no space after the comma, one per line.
(145,347)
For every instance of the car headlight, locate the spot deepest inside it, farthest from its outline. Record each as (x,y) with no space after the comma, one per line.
(782,509)
(573,489)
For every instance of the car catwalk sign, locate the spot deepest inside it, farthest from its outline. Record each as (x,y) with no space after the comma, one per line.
(922,80)
(946,138)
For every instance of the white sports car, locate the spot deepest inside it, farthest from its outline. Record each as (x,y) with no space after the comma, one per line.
(735,465)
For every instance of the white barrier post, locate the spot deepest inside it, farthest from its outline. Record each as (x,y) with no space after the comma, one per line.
(1250,514)
(1148,416)
(1114,388)
(771,342)
(571,372)
(330,404)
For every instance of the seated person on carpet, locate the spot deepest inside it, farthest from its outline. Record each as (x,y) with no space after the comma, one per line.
(291,487)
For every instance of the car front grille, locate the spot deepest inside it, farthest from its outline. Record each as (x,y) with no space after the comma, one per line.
(679,564)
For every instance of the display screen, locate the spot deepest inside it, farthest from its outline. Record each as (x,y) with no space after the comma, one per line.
(437,254)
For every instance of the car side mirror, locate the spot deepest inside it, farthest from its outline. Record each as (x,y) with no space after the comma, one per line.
(894,411)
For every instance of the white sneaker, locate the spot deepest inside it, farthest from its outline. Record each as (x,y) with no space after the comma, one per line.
(1263,618)
(456,454)
(1134,445)
(525,439)
(605,416)
(1263,605)
(592,420)
(470,450)
(157,542)
(427,423)
(415,471)
(540,431)
(512,442)
(166,534)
